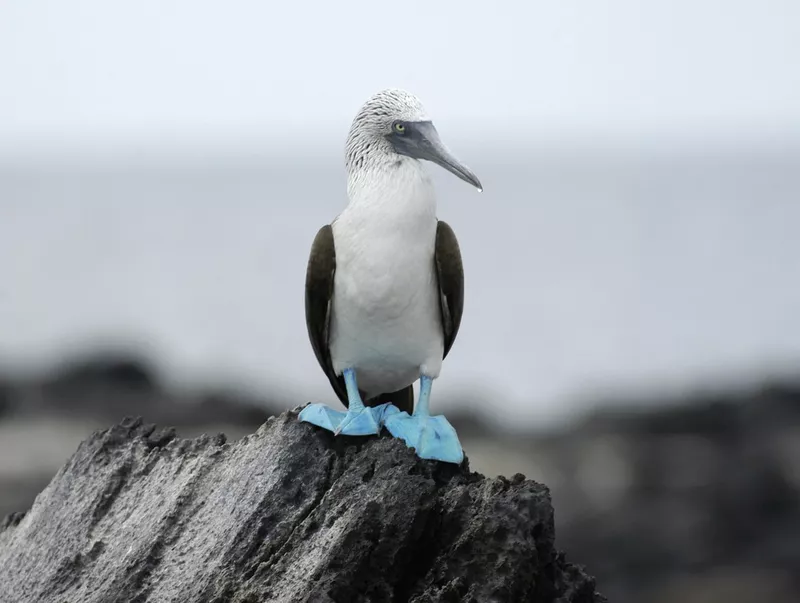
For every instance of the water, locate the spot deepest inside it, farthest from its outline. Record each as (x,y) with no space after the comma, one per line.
(584,273)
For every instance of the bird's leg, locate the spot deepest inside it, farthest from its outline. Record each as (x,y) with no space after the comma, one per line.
(432,437)
(358,420)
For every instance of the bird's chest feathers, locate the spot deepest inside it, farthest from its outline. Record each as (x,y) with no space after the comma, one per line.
(384,248)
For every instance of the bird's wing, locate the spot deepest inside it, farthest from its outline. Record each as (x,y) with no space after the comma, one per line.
(450,277)
(319,295)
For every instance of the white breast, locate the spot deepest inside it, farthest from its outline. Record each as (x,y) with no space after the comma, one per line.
(385,312)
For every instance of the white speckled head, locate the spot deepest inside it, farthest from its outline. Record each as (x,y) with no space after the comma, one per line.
(386,106)
(392,127)
(373,123)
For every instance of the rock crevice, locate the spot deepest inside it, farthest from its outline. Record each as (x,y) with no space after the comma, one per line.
(290,514)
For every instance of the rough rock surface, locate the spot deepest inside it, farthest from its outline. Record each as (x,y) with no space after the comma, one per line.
(286,514)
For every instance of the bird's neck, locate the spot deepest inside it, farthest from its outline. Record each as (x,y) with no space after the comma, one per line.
(397,178)
(398,191)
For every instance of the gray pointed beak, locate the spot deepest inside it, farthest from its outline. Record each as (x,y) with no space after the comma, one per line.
(422,142)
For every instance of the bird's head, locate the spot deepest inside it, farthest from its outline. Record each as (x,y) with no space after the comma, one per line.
(393,124)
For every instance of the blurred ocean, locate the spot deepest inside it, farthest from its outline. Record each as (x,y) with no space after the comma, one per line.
(587,275)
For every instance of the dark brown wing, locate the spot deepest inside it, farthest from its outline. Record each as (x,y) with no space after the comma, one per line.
(450,277)
(319,294)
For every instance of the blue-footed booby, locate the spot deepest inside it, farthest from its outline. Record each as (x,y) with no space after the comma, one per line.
(385,284)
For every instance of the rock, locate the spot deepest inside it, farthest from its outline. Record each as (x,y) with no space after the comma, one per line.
(6,391)
(289,513)
(112,370)
(106,386)
(687,501)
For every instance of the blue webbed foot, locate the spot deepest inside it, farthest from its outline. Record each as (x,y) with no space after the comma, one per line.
(356,422)
(433,437)
(359,420)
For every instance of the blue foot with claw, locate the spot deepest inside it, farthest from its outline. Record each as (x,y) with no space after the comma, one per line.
(355,422)
(432,437)
(359,420)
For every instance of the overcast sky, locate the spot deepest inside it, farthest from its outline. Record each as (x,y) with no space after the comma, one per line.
(614,254)
(114,72)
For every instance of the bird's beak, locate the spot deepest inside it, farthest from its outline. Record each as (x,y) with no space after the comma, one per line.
(424,143)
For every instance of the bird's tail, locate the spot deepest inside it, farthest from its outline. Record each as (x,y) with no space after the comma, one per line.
(403,399)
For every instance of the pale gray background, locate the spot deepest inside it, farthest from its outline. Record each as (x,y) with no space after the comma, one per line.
(165,165)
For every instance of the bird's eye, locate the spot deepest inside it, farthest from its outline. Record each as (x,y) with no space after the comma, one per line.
(399,128)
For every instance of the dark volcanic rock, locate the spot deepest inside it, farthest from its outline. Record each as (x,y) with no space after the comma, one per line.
(107,386)
(287,514)
(117,371)
(695,502)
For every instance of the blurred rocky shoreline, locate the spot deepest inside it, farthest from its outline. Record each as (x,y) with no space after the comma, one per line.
(694,500)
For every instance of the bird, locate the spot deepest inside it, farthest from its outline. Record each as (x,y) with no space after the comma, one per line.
(384,291)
